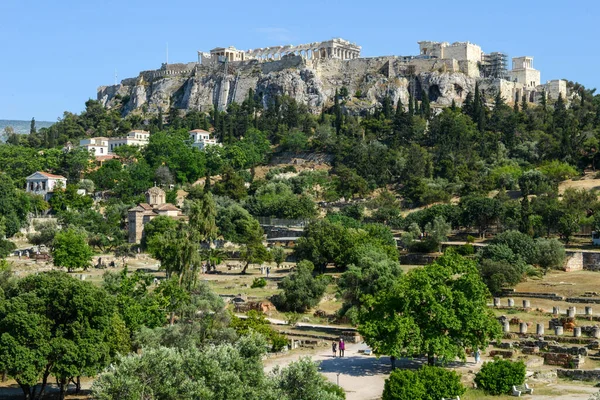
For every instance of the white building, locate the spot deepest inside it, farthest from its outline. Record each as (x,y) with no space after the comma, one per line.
(524,73)
(201,138)
(43,183)
(133,138)
(97,145)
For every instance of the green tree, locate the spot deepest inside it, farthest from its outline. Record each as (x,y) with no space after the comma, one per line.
(375,272)
(71,251)
(438,310)
(300,290)
(53,324)
(551,254)
(278,255)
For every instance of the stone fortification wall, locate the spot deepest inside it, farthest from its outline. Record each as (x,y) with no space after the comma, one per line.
(312,82)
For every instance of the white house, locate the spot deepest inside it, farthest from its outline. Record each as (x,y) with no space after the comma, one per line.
(97,145)
(201,138)
(43,183)
(133,138)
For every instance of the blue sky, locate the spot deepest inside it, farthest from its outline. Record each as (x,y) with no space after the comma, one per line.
(54,54)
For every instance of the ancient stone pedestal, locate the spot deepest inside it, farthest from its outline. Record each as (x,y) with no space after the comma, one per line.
(506,327)
(496,301)
(558,330)
(526,304)
(555,310)
(523,327)
(588,311)
(540,329)
(596,333)
(577,331)
(511,303)
(571,312)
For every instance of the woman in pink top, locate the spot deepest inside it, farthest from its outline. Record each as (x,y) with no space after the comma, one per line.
(342,347)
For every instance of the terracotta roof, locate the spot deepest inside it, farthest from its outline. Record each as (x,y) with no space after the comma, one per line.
(106,157)
(146,206)
(168,207)
(47,175)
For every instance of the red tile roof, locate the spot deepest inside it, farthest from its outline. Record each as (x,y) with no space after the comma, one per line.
(47,175)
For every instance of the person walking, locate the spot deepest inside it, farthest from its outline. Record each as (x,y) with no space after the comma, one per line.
(342,347)
(334,348)
(268,271)
(477,356)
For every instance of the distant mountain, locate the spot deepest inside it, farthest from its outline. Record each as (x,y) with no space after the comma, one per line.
(22,126)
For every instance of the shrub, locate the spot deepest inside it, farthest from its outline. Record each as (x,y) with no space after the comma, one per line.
(466,250)
(499,376)
(428,383)
(259,283)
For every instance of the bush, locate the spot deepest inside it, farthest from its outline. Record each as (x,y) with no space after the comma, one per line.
(428,383)
(499,376)
(259,283)
(466,250)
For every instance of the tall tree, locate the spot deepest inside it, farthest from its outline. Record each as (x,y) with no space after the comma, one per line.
(439,310)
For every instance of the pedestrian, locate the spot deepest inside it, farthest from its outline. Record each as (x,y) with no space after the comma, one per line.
(342,347)
(477,356)
(268,271)
(334,348)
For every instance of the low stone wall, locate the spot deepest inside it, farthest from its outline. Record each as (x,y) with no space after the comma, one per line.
(549,296)
(417,259)
(563,360)
(502,353)
(579,374)
(585,300)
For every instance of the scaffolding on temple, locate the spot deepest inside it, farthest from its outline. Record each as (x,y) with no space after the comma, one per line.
(494,65)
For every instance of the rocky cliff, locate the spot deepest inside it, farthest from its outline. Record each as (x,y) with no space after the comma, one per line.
(311,82)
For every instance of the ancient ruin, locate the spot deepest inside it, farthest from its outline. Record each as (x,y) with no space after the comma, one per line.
(334,48)
(311,73)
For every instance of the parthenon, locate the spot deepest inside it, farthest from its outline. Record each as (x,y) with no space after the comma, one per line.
(335,48)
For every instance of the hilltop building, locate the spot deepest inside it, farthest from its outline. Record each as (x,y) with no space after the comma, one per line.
(155,205)
(201,139)
(337,48)
(101,146)
(96,145)
(43,183)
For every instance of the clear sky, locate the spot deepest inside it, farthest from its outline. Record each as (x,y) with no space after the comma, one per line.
(55,53)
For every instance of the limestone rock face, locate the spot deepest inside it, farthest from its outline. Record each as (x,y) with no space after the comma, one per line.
(309,82)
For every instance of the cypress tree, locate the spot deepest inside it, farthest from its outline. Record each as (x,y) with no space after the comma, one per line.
(524,103)
(32,130)
(160,119)
(411,108)
(453,105)
(425,105)
(337,110)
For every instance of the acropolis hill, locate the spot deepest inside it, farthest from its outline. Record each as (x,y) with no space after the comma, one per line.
(311,73)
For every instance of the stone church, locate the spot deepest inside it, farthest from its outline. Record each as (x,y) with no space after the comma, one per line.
(156,204)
